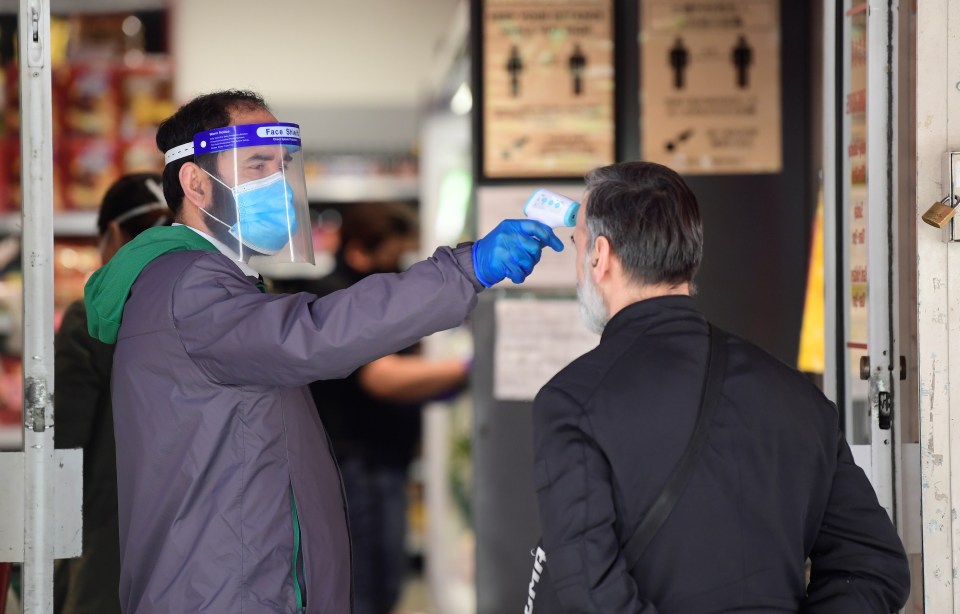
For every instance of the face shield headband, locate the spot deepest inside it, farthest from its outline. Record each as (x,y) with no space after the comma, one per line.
(232,137)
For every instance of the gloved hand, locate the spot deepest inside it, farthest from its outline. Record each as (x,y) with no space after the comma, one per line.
(511,250)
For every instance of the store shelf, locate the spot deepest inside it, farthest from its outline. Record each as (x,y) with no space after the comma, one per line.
(72,224)
(356,188)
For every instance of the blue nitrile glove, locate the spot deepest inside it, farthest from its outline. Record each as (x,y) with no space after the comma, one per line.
(511,250)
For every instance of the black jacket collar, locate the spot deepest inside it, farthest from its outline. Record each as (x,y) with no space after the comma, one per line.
(651,311)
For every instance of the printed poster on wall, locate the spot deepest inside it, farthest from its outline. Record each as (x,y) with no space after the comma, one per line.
(548,108)
(535,339)
(855,213)
(710,85)
(855,181)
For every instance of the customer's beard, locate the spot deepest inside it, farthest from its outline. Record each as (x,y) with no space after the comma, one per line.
(593,309)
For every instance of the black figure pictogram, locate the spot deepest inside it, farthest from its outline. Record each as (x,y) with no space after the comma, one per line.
(679,58)
(742,59)
(515,67)
(578,62)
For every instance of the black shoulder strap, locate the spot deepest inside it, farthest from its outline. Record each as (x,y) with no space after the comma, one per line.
(660,510)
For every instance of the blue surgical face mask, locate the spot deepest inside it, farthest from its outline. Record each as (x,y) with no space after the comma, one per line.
(266,218)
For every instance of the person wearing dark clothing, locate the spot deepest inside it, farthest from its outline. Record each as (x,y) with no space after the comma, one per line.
(775,483)
(373,415)
(90,584)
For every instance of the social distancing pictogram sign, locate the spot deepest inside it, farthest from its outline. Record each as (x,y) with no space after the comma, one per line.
(710,85)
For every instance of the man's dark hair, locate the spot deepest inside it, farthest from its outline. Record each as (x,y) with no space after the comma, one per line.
(204,112)
(123,199)
(372,223)
(651,219)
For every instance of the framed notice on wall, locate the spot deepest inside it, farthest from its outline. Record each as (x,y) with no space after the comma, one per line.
(710,85)
(547,88)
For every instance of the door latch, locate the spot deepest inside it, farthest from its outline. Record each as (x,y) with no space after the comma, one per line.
(884,410)
(941,215)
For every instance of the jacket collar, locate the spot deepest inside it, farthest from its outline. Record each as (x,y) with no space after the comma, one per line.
(651,311)
(226,251)
(107,290)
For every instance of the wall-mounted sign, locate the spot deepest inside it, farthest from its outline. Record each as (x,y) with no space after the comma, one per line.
(547,87)
(853,204)
(710,85)
(855,182)
(535,339)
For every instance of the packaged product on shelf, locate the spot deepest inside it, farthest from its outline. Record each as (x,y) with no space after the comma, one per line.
(74,260)
(92,105)
(11,344)
(11,312)
(3,103)
(60,77)
(147,98)
(91,167)
(103,36)
(141,156)
(11,392)
(9,175)
(11,100)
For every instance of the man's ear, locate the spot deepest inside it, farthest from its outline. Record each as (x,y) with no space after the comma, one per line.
(601,259)
(196,184)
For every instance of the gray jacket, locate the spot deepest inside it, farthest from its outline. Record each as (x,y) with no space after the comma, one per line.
(220,450)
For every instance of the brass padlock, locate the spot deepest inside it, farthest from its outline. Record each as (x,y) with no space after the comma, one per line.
(939,214)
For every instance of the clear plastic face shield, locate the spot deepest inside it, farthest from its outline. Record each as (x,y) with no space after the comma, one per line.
(259,203)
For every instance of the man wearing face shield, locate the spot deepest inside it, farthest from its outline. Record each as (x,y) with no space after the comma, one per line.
(229,497)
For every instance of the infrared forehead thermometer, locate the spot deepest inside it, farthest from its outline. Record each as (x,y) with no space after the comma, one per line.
(551,209)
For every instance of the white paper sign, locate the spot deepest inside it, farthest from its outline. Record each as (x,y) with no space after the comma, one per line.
(536,338)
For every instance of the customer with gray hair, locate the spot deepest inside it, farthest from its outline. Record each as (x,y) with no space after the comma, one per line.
(683,470)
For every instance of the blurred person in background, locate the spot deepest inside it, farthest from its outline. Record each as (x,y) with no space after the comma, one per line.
(373,416)
(90,584)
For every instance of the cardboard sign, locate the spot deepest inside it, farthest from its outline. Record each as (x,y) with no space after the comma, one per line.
(548,108)
(710,85)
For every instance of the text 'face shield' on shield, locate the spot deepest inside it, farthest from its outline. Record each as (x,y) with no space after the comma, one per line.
(260,207)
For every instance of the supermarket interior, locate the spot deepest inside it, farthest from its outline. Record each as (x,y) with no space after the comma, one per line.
(814,136)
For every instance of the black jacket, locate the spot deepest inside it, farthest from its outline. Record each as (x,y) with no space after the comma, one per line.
(84,415)
(776,482)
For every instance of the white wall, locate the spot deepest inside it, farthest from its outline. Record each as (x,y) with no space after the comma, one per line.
(309,52)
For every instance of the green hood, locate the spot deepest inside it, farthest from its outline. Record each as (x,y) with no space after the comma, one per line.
(107,290)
